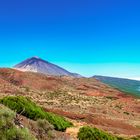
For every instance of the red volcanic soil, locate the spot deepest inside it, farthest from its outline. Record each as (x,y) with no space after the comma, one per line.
(12,76)
(42,82)
(70,115)
(96,93)
(32,80)
(136,109)
(6,87)
(115,126)
(123,95)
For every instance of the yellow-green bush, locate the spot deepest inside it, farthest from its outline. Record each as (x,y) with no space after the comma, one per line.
(45,129)
(8,130)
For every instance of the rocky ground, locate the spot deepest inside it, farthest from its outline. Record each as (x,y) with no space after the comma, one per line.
(84,101)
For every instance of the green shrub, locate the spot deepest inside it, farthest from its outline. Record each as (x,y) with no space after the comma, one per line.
(8,130)
(29,109)
(18,134)
(45,125)
(127,113)
(88,133)
(135,138)
(58,122)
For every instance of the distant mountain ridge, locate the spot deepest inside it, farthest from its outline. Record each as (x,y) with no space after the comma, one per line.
(38,65)
(126,85)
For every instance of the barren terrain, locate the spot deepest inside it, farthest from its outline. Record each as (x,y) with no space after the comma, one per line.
(85,101)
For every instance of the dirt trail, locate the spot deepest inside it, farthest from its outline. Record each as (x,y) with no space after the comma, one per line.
(73,131)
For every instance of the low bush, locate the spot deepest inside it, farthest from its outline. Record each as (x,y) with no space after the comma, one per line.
(29,109)
(45,130)
(127,113)
(89,133)
(135,138)
(8,129)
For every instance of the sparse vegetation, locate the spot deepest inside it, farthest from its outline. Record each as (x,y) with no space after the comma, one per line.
(68,97)
(29,109)
(45,129)
(111,97)
(119,106)
(135,138)
(127,113)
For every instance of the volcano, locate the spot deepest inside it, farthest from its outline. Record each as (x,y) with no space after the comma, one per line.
(38,65)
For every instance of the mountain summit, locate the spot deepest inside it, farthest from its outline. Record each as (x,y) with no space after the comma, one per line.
(36,64)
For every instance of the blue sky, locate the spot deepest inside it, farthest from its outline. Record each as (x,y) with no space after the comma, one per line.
(91,37)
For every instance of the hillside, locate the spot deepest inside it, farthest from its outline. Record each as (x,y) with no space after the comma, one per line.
(126,85)
(83,101)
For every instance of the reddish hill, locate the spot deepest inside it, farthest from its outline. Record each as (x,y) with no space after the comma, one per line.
(89,87)
(27,79)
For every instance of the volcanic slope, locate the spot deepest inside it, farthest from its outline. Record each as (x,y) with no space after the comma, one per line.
(85,101)
(38,65)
